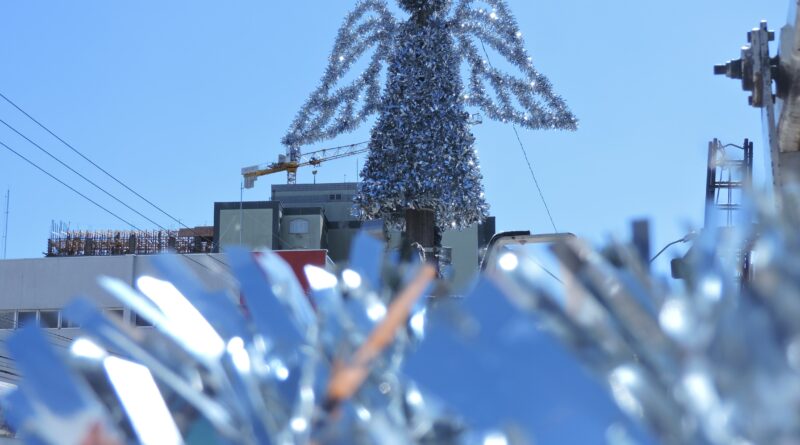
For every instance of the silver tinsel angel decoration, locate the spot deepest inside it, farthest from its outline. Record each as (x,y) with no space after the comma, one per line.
(421,148)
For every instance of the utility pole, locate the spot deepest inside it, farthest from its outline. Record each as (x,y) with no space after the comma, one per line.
(5,226)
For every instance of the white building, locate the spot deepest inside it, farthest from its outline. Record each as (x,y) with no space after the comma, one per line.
(299,217)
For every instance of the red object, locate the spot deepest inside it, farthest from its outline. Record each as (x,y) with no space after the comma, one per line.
(297,259)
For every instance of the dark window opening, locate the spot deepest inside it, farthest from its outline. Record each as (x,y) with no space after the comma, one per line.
(25,318)
(140,322)
(48,319)
(67,323)
(8,319)
(118,313)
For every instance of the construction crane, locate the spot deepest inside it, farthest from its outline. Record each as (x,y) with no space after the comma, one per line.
(293,159)
(313,158)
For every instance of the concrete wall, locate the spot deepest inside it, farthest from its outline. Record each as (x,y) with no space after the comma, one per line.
(336,202)
(51,283)
(339,241)
(336,198)
(465,254)
(254,224)
(255,231)
(311,239)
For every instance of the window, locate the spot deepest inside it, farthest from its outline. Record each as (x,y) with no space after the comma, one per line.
(67,323)
(118,313)
(8,319)
(298,226)
(48,319)
(139,321)
(26,317)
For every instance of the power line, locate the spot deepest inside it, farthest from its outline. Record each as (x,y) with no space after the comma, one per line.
(525,154)
(63,337)
(68,145)
(91,200)
(109,194)
(92,182)
(5,371)
(554,276)
(533,175)
(68,186)
(118,181)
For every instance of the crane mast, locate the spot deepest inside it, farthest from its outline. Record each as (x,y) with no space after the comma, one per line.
(294,156)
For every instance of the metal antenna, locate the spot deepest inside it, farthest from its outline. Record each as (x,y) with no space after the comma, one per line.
(241,211)
(5,226)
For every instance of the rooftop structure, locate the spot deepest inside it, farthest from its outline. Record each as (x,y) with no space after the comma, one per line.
(66,242)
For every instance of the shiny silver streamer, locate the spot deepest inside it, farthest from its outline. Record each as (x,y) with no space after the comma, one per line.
(713,360)
(421,151)
(332,111)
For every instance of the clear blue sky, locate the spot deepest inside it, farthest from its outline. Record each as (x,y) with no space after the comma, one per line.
(175,97)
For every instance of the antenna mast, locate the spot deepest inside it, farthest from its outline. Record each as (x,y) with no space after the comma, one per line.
(5,226)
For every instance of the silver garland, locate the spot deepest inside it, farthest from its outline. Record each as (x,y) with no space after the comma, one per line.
(712,361)
(422,153)
(332,111)
(497,28)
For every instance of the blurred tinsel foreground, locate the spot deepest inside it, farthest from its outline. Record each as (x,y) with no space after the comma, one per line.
(381,352)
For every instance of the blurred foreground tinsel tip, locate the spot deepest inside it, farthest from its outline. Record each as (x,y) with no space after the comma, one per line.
(381,353)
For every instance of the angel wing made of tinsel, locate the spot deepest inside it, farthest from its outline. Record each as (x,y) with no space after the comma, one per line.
(526,99)
(332,110)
